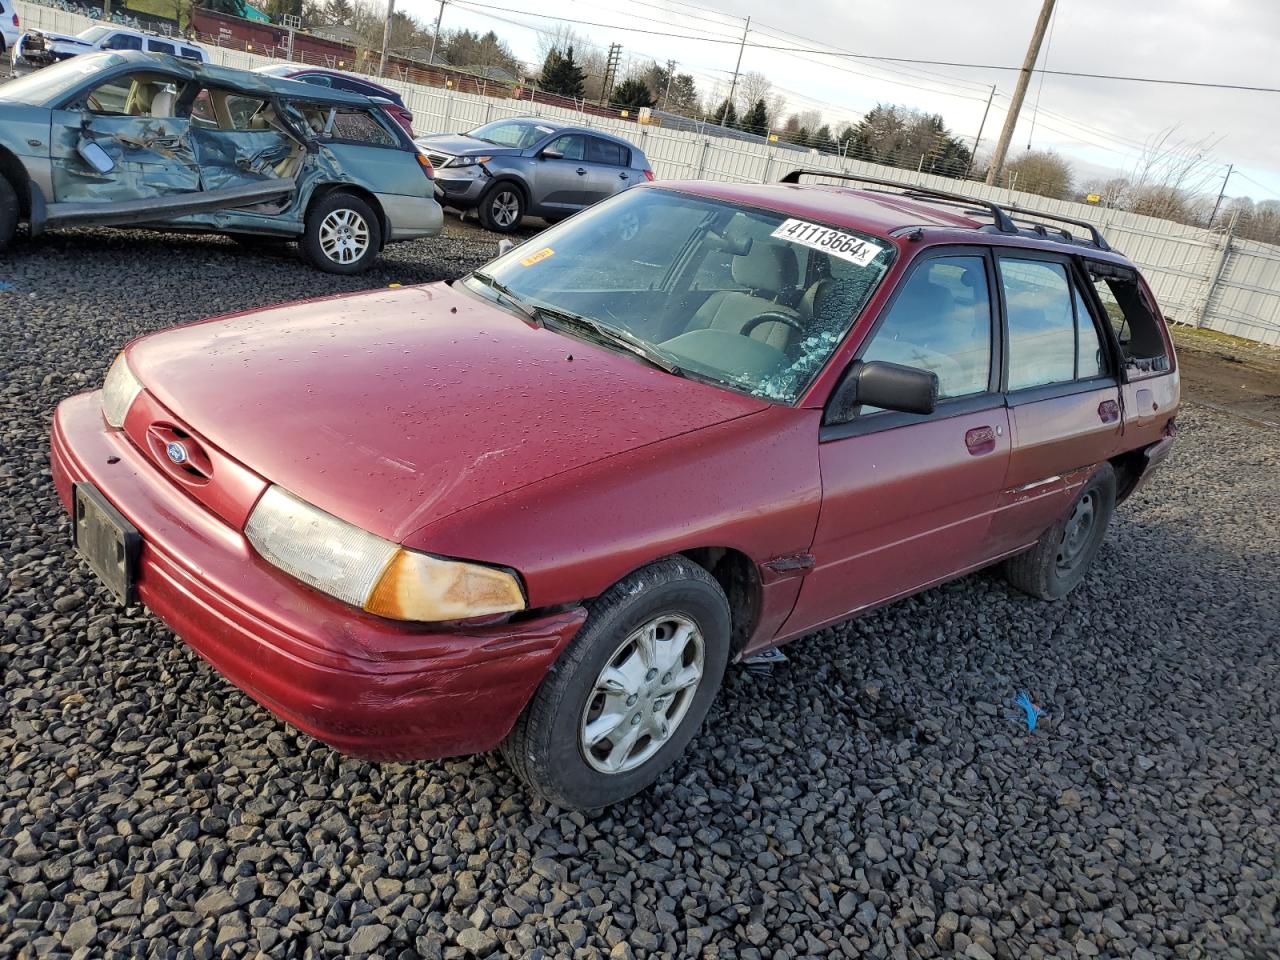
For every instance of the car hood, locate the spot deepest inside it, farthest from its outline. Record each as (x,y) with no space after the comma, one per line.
(459,143)
(62,38)
(395,408)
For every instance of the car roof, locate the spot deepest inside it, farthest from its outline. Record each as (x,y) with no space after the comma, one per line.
(887,215)
(244,81)
(558,126)
(294,69)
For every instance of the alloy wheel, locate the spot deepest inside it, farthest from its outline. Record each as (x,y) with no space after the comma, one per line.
(642,694)
(505,208)
(344,236)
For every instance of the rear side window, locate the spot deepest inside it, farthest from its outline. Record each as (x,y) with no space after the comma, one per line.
(317,80)
(159,46)
(941,322)
(1132,317)
(606,151)
(1042,331)
(191,53)
(359,126)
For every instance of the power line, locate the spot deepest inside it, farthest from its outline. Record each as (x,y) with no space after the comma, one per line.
(868,56)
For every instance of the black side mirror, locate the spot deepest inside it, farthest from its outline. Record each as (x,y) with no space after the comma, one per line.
(890,386)
(552,155)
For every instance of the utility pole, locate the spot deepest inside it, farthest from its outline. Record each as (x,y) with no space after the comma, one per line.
(610,72)
(1020,92)
(733,87)
(671,75)
(1221,193)
(386,38)
(982,126)
(435,37)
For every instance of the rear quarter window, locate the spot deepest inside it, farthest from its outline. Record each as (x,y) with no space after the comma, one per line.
(606,151)
(361,126)
(1132,316)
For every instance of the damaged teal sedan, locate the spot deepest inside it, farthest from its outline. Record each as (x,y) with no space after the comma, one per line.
(139,140)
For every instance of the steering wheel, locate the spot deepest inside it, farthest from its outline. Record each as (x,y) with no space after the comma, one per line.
(773,316)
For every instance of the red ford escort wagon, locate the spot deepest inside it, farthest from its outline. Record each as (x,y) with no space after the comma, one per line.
(543,506)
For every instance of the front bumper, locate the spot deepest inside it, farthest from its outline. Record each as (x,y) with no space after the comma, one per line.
(366,686)
(461,192)
(411,217)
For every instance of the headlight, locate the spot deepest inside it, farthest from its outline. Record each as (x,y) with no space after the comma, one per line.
(118,392)
(374,574)
(468,161)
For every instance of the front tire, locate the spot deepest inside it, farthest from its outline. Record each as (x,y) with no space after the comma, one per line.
(502,207)
(631,690)
(1063,554)
(342,234)
(8,213)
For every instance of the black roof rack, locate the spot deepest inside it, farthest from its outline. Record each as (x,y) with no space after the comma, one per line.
(1001,215)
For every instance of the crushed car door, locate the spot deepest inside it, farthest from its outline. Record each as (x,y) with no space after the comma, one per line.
(120,155)
(240,140)
(120,141)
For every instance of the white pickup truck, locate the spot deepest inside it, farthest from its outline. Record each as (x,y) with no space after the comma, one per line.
(43,46)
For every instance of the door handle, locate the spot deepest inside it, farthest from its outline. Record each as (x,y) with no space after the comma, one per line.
(623,176)
(980,440)
(582,172)
(1108,411)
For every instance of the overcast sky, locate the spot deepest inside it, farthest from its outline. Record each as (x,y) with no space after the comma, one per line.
(1100,125)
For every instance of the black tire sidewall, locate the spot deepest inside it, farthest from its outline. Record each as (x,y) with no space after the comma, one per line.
(338,200)
(486,205)
(556,743)
(8,212)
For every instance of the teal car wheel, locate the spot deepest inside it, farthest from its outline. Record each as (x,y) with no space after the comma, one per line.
(342,234)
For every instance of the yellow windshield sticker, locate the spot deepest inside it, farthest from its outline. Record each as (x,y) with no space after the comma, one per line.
(538,257)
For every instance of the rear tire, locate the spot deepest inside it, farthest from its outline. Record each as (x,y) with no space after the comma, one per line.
(502,207)
(342,234)
(1063,554)
(631,690)
(8,213)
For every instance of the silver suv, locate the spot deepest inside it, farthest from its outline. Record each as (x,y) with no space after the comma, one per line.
(522,166)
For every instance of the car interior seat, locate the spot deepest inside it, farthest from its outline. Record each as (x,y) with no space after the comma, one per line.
(163,102)
(769,271)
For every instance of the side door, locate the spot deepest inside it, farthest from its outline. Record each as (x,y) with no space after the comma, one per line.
(1061,388)
(239,140)
(129,118)
(608,169)
(560,174)
(908,499)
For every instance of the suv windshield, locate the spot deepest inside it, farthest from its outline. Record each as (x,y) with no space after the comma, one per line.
(748,298)
(512,133)
(93,34)
(45,87)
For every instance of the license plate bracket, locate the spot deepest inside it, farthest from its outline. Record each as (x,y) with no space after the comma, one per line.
(108,542)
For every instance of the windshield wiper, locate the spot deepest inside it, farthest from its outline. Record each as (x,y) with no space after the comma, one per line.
(618,337)
(528,311)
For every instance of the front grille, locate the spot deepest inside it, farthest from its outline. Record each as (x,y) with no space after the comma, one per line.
(438,159)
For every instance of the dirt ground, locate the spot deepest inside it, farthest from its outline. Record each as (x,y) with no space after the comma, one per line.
(1230,374)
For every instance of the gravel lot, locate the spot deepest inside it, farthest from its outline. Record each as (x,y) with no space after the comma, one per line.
(874,796)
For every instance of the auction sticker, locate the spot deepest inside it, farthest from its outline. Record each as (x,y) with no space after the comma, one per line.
(538,257)
(835,242)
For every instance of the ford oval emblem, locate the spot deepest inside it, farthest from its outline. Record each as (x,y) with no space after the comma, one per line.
(176,451)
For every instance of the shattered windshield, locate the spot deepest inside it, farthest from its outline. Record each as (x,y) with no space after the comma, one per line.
(45,87)
(749,298)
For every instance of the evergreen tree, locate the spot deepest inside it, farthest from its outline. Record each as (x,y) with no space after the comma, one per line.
(756,120)
(725,115)
(562,75)
(338,12)
(631,94)
(823,139)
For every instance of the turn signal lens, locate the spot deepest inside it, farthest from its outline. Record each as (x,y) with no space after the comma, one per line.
(416,586)
(425,163)
(648,175)
(119,391)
